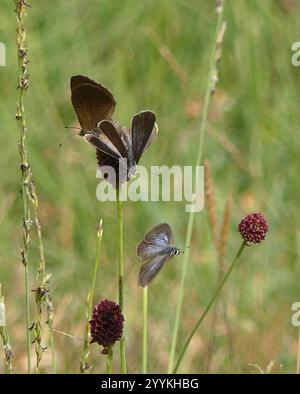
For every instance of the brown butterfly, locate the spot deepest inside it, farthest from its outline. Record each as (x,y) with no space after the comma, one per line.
(116,147)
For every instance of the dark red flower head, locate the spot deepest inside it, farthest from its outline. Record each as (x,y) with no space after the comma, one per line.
(253,228)
(107,323)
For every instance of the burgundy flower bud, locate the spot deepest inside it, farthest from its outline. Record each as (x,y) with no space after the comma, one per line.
(107,323)
(253,228)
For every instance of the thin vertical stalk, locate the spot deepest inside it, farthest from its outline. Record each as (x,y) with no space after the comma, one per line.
(211,302)
(23,84)
(42,296)
(110,358)
(7,351)
(229,334)
(145,328)
(28,318)
(5,338)
(181,294)
(84,365)
(298,353)
(211,345)
(121,275)
(219,237)
(228,329)
(211,82)
(96,265)
(53,355)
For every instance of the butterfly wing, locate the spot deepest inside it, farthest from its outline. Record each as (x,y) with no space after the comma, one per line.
(115,137)
(146,251)
(152,136)
(111,132)
(155,242)
(92,102)
(150,269)
(143,131)
(161,235)
(113,169)
(102,147)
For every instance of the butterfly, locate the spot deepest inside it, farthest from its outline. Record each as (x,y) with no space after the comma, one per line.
(117,147)
(155,250)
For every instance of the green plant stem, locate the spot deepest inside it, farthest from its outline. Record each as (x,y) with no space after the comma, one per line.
(25,168)
(186,256)
(227,324)
(211,302)
(7,351)
(5,338)
(89,302)
(121,275)
(27,306)
(42,296)
(53,355)
(110,357)
(298,353)
(180,297)
(145,328)
(96,265)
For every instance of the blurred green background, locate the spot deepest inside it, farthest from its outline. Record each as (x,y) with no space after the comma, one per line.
(252,144)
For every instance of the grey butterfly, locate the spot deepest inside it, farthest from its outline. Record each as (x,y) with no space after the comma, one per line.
(155,250)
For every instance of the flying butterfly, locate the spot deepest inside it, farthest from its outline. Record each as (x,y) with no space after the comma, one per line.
(116,147)
(155,250)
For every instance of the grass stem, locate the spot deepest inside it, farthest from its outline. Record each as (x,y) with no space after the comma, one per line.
(298,353)
(211,302)
(27,306)
(5,338)
(110,358)
(211,81)
(121,275)
(42,296)
(145,328)
(23,83)
(84,365)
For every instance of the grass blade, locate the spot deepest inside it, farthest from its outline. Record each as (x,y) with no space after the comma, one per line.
(121,275)
(26,174)
(5,339)
(145,328)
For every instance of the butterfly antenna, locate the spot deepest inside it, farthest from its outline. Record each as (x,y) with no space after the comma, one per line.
(67,335)
(71,135)
(73,127)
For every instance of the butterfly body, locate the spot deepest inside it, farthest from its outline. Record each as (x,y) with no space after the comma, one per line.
(95,132)
(175,252)
(154,251)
